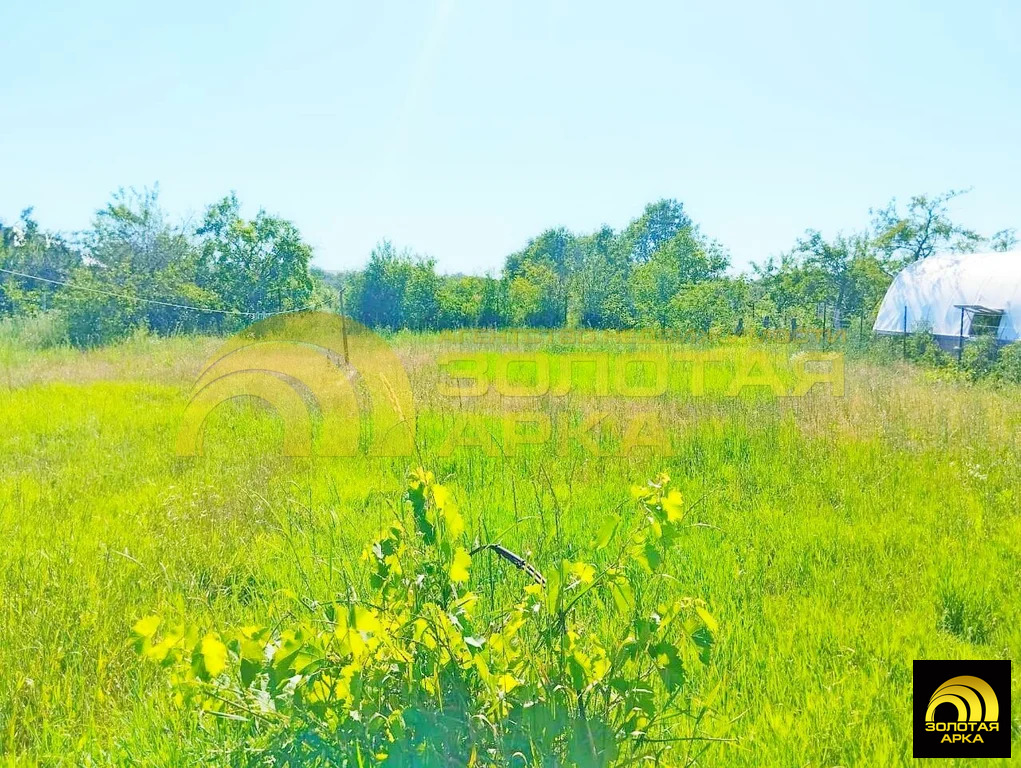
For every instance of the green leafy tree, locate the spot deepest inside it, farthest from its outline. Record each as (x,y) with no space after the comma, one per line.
(377,294)
(850,273)
(1004,240)
(420,302)
(710,306)
(923,229)
(545,263)
(684,260)
(653,285)
(25,248)
(535,297)
(493,307)
(846,276)
(599,284)
(466,301)
(257,265)
(790,289)
(139,267)
(660,222)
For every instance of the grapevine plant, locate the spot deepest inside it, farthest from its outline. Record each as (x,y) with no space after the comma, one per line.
(583,666)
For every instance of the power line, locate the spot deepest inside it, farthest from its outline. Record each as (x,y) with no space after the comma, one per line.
(126,297)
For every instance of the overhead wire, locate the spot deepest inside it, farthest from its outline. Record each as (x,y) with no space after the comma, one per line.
(159,302)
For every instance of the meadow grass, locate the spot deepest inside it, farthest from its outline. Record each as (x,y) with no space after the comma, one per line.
(837,538)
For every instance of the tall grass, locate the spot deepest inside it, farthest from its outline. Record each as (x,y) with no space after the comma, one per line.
(837,540)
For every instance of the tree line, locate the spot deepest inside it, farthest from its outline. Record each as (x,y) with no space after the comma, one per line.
(134,269)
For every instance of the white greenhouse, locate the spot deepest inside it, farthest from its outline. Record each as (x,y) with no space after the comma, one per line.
(956,295)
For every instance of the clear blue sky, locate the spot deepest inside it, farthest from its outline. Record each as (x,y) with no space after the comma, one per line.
(462,128)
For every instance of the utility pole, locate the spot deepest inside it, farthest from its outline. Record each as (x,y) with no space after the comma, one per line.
(343,326)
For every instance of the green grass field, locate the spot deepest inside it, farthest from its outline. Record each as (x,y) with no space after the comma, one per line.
(838,539)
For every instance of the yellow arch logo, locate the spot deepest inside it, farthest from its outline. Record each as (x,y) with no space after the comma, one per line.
(973,697)
(295,364)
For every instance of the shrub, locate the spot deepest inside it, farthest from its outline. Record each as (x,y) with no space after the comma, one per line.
(94,320)
(710,306)
(417,670)
(979,356)
(1008,367)
(42,330)
(922,347)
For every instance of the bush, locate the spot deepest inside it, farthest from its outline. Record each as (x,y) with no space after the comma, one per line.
(923,348)
(709,306)
(417,670)
(979,356)
(1008,367)
(96,320)
(38,331)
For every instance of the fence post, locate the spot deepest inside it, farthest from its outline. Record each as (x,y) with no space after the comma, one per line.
(905,332)
(960,341)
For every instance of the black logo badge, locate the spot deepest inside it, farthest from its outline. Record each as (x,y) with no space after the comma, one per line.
(962,709)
